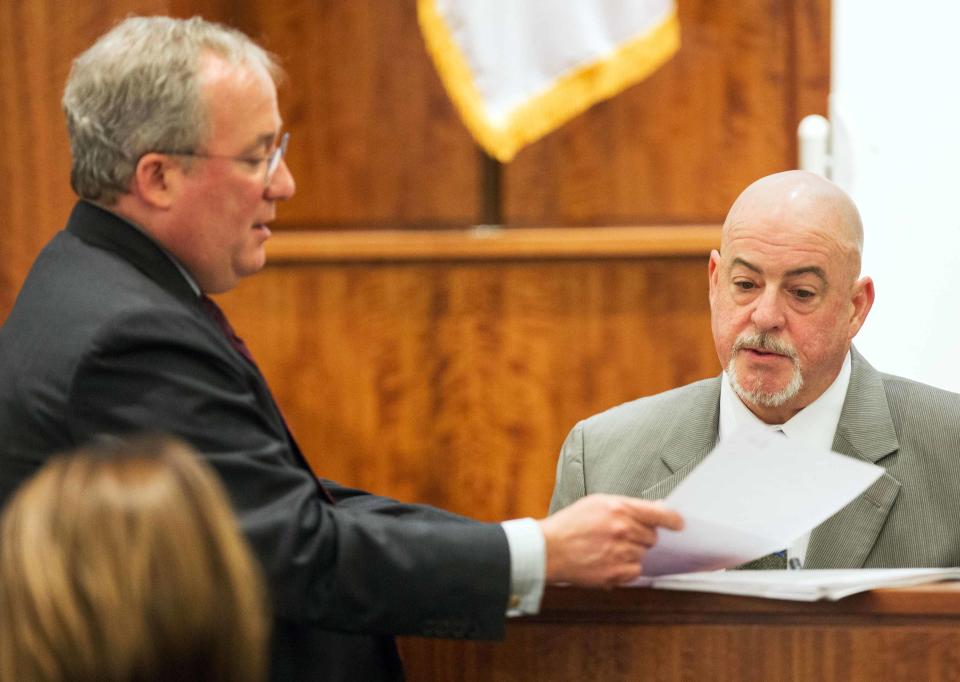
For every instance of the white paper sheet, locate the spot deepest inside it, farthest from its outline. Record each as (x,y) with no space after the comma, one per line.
(754,494)
(806,585)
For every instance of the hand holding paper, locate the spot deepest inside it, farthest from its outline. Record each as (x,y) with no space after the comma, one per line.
(601,540)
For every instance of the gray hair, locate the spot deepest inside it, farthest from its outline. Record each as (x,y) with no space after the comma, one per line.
(137,90)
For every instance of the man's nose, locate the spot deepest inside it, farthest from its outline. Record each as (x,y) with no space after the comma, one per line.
(768,311)
(282,185)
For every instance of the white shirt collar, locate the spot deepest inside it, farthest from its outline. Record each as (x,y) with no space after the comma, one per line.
(815,425)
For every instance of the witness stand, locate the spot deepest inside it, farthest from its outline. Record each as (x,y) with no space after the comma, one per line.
(647,634)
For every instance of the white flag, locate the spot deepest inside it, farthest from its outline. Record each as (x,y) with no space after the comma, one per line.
(518,69)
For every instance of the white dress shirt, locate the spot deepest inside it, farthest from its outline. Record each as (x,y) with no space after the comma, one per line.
(528,565)
(813,426)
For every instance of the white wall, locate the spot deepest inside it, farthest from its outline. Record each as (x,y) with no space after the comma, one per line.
(895,115)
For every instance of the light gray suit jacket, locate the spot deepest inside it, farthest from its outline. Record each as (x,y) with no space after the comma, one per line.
(909,517)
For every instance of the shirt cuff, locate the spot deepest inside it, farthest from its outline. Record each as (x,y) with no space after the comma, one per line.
(528,566)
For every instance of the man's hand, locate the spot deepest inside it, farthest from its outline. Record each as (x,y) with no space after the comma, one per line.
(600,540)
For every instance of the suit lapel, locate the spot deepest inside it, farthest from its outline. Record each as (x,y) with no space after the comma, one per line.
(865,431)
(108,231)
(105,230)
(686,445)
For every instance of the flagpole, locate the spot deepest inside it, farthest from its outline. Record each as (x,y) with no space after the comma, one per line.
(491,179)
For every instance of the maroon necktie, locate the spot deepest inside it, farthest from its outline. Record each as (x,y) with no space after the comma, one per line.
(214,312)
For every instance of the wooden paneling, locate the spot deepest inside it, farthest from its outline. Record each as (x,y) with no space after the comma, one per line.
(484,243)
(633,634)
(811,48)
(455,383)
(681,145)
(738,653)
(376,142)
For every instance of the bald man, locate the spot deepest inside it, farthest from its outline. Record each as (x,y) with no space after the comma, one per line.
(786,300)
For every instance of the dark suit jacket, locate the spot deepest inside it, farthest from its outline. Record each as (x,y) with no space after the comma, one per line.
(107,337)
(908,517)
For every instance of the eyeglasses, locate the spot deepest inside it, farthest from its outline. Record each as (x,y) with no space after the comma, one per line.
(273,160)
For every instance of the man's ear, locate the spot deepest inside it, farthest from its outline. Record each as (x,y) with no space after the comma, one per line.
(862,301)
(713,273)
(156,179)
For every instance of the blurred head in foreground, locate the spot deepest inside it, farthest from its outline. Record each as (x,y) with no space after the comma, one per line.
(123,562)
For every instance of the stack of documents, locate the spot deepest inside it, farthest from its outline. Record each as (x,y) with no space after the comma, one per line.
(800,585)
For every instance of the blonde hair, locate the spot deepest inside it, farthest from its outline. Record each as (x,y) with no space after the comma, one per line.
(124,562)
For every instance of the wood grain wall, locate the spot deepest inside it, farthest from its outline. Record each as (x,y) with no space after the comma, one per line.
(453,378)
(456,382)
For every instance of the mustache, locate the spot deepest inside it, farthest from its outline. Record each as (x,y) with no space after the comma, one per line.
(765,342)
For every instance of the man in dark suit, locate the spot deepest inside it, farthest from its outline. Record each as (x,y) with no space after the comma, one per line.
(178,160)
